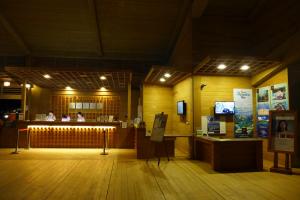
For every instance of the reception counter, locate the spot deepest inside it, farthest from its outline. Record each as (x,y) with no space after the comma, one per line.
(77,134)
(231,154)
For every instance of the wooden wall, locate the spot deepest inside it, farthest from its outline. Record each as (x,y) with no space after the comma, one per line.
(183,125)
(294,85)
(218,88)
(40,100)
(157,99)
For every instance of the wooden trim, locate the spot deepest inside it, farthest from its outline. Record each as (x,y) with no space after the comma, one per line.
(201,64)
(94,16)
(14,34)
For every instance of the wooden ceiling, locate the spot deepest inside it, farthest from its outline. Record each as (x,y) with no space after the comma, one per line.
(209,65)
(76,79)
(156,73)
(134,35)
(107,29)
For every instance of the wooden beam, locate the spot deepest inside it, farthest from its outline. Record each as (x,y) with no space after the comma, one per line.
(14,34)
(129,100)
(179,32)
(265,75)
(94,16)
(149,74)
(198,8)
(201,64)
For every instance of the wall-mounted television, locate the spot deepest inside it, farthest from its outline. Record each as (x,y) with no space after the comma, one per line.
(181,108)
(224,108)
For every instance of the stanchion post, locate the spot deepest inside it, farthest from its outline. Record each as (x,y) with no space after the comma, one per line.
(104,143)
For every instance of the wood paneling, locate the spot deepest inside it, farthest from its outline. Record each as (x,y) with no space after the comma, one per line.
(216,89)
(60,105)
(157,99)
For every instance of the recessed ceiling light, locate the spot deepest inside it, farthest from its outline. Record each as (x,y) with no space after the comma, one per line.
(102,77)
(68,88)
(245,67)
(167,75)
(222,66)
(28,85)
(47,76)
(6,83)
(162,80)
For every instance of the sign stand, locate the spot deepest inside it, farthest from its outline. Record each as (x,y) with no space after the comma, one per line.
(283,138)
(157,135)
(284,170)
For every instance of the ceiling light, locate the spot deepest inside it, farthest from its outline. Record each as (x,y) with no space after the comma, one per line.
(167,75)
(102,89)
(47,76)
(68,88)
(102,77)
(28,85)
(245,67)
(6,83)
(162,80)
(222,66)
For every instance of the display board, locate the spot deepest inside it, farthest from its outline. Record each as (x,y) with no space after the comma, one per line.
(159,125)
(243,118)
(268,98)
(283,131)
(263,108)
(213,125)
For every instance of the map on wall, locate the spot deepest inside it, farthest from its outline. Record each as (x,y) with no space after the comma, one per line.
(243,118)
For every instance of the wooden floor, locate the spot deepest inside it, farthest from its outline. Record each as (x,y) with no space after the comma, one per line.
(84,174)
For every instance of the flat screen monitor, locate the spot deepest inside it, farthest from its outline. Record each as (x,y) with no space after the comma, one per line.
(181,108)
(224,108)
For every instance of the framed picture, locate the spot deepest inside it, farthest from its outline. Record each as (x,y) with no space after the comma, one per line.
(283,131)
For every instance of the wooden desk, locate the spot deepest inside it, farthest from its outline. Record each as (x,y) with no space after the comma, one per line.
(77,134)
(145,148)
(235,154)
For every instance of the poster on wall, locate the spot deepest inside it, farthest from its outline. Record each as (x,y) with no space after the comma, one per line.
(283,131)
(213,125)
(243,118)
(263,108)
(279,97)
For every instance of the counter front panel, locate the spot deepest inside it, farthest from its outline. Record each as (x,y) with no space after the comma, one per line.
(78,134)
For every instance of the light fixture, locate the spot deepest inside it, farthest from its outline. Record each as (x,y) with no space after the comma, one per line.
(28,85)
(167,75)
(6,116)
(102,77)
(162,80)
(102,89)
(222,66)
(68,88)
(244,67)
(47,76)
(6,83)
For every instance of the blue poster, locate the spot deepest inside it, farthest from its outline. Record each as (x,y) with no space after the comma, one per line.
(263,108)
(243,118)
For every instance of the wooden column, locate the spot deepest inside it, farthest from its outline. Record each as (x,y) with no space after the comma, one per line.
(129,100)
(24,103)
